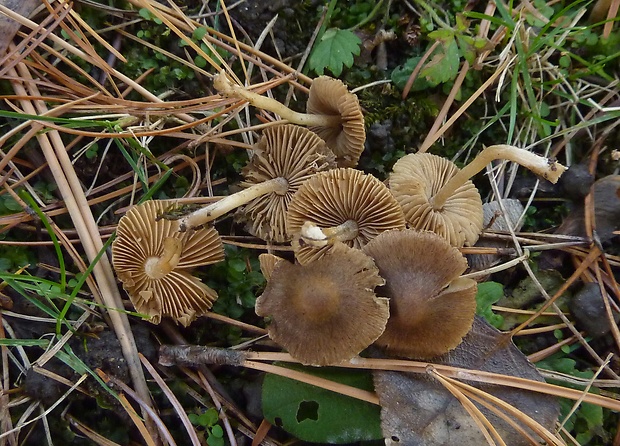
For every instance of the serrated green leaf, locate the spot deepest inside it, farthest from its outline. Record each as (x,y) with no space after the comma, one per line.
(488,294)
(318,415)
(401,74)
(443,65)
(335,50)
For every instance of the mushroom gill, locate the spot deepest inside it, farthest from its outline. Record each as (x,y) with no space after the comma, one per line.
(154,261)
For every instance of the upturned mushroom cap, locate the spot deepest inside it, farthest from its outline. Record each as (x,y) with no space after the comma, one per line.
(325,312)
(290,152)
(268,263)
(330,96)
(416,178)
(344,196)
(154,261)
(431,307)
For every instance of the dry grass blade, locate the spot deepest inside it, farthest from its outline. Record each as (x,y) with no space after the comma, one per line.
(73,195)
(150,441)
(481,421)
(125,388)
(173,400)
(20,425)
(431,138)
(480,396)
(88,432)
(323,383)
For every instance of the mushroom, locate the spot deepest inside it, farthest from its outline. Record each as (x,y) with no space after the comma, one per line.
(283,159)
(154,261)
(325,312)
(268,263)
(342,205)
(435,195)
(431,307)
(333,113)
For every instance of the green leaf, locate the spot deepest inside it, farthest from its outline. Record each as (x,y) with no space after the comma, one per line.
(209,417)
(335,50)
(400,75)
(145,13)
(217,431)
(199,33)
(443,65)
(488,294)
(238,265)
(212,440)
(318,415)
(194,419)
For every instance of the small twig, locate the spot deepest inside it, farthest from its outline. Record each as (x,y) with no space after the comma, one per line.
(200,355)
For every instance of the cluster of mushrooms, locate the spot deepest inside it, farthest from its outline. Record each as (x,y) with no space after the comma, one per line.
(374,263)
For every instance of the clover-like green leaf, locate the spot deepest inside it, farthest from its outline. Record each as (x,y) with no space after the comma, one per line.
(335,50)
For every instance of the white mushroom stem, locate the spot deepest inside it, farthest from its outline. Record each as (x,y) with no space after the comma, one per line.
(225,87)
(209,213)
(157,267)
(315,236)
(546,168)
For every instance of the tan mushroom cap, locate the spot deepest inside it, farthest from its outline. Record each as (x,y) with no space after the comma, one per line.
(325,312)
(431,307)
(290,152)
(154,261)
(268,263)
(330,96)
(416,178)
(342,196)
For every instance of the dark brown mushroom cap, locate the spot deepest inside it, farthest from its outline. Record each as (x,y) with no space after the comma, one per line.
(164,288)
(325,312)
(431,307)
(285,151)
(334,197)
(330,96)
(416,178)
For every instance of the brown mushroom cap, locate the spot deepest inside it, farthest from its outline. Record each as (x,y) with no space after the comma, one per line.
(325,312)
(290,152)
(337,196)
(331,97)
(154,260)
(431,307)
(416,178)
(268,263)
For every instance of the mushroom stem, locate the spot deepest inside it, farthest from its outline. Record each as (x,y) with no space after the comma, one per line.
(158,267)
(545,167)
(225,87)
(209,213)
(315,236)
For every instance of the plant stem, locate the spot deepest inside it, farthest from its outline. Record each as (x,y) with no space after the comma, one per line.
(548,169)
(209,213)
(225,87)
(315,236)
(158,267)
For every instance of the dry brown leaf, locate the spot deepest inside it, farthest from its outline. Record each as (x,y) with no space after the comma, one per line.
(418,410)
